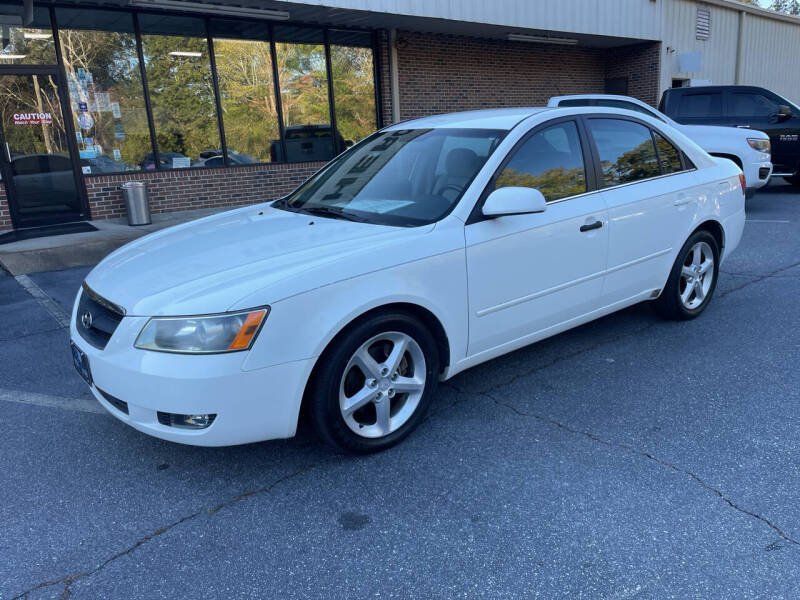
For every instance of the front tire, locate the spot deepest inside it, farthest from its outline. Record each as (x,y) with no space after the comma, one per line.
(375,383)
(793,180)
(692,280)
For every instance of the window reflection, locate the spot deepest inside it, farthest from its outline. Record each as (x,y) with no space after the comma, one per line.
(669,155)
(181,92)
(550,161)
(247,95)
(626,150)
(105,90)
(354,91)
(304,99)
(31,45)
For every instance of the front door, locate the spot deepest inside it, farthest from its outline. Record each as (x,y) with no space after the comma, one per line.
(37,167)
(529,274)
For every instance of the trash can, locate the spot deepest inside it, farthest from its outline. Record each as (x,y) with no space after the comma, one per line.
(136,201)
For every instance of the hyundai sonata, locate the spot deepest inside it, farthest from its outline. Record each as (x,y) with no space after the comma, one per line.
(429,247)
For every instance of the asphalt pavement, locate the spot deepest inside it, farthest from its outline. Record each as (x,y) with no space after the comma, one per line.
(629,458)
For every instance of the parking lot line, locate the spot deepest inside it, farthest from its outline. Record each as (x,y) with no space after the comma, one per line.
(61,317)
(76,404)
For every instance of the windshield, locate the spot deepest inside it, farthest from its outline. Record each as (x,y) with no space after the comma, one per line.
(405,177)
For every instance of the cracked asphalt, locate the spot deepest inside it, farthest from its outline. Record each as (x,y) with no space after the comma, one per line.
(629,458)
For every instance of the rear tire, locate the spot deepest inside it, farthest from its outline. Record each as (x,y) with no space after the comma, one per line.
(374,385)
(692,280)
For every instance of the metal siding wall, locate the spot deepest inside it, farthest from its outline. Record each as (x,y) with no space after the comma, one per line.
(719,51)
(638,19)
(771,56)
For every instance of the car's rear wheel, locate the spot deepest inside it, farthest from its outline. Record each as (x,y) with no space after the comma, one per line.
(375,383)
(794,180)
(692,280)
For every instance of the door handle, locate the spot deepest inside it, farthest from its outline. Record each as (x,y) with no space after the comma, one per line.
(590,226)
(682,199)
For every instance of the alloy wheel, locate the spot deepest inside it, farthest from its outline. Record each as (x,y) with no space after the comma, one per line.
(697,275)
(382,384)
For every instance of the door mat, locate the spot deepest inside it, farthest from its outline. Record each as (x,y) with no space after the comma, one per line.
(37,232)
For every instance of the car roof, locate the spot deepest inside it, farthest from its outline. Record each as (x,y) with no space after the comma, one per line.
(495,118)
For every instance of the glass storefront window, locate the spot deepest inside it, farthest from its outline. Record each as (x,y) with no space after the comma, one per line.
(247,94)
(353,91)
(31,45)
(304,97)
(105,89)
(181,92)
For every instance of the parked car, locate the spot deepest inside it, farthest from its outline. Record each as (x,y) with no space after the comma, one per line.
(166,160)
(214,158)
(750,150)
(429,247)
(746,107)
(306,143)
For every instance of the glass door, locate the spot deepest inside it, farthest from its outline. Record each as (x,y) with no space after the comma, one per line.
(37,166)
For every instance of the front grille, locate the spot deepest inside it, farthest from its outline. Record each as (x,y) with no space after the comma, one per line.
(97,318)
(763,172)
(115,402)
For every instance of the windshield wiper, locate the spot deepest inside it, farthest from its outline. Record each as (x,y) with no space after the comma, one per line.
(333,212)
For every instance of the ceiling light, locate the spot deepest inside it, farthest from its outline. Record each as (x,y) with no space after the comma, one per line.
(33,35)
(12,56)
(213,9)
(542,39)
(189,54)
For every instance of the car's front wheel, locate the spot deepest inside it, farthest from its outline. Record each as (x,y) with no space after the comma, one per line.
(692,280)
(374,385)
(794,180)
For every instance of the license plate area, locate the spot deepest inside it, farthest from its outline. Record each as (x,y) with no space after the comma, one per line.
(81,362)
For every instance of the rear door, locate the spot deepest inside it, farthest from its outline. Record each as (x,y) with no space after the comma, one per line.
(651,197)
(700,107)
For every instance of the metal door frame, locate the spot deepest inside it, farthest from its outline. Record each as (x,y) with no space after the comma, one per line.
(66,113)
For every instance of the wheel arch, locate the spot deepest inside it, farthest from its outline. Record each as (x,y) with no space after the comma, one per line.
(731,157)
(715,228)
(428,318)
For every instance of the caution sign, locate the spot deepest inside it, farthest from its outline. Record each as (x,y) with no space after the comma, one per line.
(42,118)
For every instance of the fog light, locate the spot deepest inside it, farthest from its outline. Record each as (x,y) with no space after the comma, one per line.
(198,421)
(185,421)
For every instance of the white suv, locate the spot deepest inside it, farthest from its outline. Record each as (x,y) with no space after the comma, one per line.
(749,149)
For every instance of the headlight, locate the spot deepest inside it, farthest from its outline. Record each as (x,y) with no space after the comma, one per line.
(759,144)
(228,332)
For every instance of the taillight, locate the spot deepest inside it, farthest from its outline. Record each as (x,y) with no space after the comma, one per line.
(742,181)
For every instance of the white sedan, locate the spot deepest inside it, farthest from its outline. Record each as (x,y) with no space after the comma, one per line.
(429,247)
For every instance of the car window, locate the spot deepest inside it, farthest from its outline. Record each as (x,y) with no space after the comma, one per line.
(626,150)
(391,177)
(481,146)
(627,106)
(750,104)
(694,106)
(668,154)
(550,161)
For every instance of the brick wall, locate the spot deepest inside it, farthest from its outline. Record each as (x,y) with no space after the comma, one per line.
(5,215)
(445,73)
(641,64)
(200,188)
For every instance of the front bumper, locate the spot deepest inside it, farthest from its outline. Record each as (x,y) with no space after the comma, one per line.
(251,406)
(757,174)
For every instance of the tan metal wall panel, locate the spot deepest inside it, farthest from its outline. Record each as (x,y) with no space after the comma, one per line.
(638,19)
(771,55)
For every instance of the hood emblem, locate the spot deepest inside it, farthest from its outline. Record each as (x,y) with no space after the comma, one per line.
(87,319)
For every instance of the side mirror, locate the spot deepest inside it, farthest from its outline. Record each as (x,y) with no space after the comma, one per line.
(784,113)
(514,201)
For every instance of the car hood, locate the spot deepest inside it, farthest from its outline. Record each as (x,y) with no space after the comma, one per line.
(205,266)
